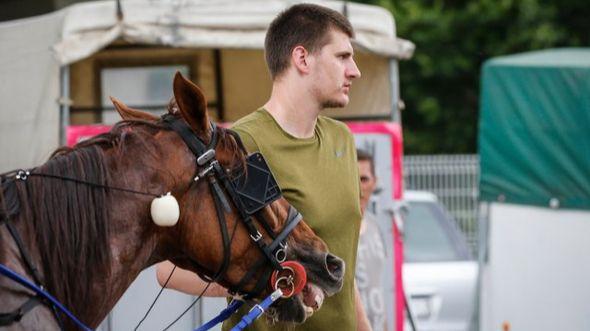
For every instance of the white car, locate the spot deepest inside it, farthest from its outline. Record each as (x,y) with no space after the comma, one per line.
(439,272)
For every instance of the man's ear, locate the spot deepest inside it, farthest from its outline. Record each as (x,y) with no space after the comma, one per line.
(128,113)
(300,59)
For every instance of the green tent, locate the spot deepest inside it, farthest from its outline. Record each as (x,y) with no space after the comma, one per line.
(534,135)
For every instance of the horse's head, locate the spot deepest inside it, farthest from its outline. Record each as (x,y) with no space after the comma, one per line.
(211,236)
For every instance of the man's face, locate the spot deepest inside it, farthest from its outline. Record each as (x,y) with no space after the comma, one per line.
(333,71)
(368,183)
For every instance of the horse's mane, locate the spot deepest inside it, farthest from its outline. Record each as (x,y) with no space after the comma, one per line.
(69,221)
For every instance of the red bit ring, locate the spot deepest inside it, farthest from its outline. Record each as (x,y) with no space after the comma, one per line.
(290,280)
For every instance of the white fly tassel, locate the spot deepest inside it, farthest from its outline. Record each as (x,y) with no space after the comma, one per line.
(165,210)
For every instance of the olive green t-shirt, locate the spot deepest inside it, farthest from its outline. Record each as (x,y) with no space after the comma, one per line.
(319,177)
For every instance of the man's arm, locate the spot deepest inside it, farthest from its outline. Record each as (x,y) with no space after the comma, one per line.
(186,281)
(362,321)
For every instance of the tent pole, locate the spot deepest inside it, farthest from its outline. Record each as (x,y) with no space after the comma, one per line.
(219,85)
(64,103)
(395,97)
(119,11)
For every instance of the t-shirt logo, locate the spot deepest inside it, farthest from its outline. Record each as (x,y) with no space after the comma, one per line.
(339,154)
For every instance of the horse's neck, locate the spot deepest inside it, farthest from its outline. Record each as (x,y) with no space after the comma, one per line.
(132,251)
(133,242)
(11,293)
(131,254)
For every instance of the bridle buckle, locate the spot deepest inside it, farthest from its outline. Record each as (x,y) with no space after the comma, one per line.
(256,237)
(22,175)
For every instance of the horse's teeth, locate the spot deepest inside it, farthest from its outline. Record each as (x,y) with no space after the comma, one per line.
(319,300)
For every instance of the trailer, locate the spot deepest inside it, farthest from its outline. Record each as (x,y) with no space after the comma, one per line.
(534,146)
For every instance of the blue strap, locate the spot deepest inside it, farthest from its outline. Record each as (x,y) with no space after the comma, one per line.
(26,283)
(225,314)
(257,311)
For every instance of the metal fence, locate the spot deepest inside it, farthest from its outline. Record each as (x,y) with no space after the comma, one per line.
(454,179)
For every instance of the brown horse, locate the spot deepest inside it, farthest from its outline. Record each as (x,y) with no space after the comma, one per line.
(89,243)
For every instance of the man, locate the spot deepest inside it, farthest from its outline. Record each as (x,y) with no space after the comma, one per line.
(310,58)
(371,252)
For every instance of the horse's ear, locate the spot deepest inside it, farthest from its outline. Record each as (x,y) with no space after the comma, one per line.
(191,103)
(128,113)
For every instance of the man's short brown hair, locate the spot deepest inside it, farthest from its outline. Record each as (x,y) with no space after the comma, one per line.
(304,24)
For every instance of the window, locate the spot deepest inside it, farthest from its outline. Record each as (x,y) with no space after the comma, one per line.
(147,88)
(429,235)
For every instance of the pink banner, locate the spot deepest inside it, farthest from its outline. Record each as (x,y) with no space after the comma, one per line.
(78,133)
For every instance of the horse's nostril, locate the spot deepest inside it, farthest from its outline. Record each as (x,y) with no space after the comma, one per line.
(335,266)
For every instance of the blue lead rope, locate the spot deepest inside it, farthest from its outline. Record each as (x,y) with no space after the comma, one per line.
(257,310)
(225,314)
(247,319)
(26,283)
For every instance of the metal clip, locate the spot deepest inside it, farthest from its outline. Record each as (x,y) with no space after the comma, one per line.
(286,283)
(259,309)
(206,157)
(23,175)
(288,287)
(256,237)
(281,255)
(203,173)
(289,281)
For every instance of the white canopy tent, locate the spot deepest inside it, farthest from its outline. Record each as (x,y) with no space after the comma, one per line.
(88,27)
(29,90)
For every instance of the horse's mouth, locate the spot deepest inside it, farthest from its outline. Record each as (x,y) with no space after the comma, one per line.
(325,277)
(312,298)
(298,308)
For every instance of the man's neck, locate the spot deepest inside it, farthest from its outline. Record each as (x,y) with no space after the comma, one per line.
(293,110)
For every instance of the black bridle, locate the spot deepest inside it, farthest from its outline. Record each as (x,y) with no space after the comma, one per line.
(250,191)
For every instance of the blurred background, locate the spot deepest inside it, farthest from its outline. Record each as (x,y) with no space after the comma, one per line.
(440,85)
(489,183)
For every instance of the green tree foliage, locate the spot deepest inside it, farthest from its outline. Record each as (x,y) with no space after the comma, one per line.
(440,84)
